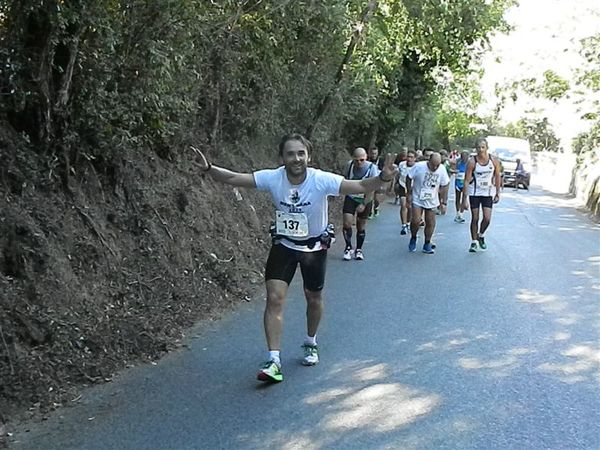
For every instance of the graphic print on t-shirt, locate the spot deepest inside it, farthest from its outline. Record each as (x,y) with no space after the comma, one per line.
(430,182)
(294,196)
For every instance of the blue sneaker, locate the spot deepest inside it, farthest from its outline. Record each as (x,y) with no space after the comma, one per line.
(412,245)
(428,248)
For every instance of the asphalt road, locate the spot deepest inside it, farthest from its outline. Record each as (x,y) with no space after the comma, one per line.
(494,350)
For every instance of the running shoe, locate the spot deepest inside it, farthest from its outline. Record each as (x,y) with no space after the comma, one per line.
(473,247)
(270,371)
(428,248)
(482,245)
(461,219)
(412,245)
(311,355)
(358,254)
(404,229)
(376,213)
(348,254)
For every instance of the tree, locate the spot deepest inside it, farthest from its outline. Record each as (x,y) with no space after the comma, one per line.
(537,130)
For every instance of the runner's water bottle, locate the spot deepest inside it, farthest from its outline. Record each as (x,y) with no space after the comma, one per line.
(328,236)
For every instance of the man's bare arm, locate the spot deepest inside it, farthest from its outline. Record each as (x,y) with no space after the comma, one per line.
(223,175)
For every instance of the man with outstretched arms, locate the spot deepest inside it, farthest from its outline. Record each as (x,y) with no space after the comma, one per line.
(482,186)
(459,170)
(300,237)
(357,205)
(427,188)
(403,169)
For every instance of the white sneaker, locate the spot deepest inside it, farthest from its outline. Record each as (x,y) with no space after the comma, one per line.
(359,254)
(348,253)
(311,355)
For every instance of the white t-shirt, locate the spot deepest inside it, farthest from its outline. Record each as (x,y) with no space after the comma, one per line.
(403,170)
(301,209)
(426,184)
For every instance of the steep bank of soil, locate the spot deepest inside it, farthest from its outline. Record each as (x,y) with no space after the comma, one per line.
(115,273)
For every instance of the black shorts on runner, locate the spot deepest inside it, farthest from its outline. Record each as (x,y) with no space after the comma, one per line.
(351,205)
(282,263)
(400,190)
(476,200)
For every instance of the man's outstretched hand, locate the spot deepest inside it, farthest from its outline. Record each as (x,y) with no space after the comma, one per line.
(201,160)
(389,170)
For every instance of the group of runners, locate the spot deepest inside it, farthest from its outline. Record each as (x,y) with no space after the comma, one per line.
(302,234)
(421,187)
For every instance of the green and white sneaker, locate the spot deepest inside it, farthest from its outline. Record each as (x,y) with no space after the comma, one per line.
(311,355)
(482,244)
(270,371)
(473,247)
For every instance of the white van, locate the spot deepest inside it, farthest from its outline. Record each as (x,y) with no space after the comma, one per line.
(508,149)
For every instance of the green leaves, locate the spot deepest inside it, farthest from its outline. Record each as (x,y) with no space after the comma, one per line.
(146,73)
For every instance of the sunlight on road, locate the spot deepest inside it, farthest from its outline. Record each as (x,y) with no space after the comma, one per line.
(542,200)
(379,408)
(562,336)
(586,364)
(552,304)
(475,363)
(528,296)
(501,366)
(366,406)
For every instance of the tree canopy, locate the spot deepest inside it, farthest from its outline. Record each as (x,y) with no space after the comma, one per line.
(91,79)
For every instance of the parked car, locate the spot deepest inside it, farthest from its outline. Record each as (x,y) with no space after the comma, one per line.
(508,150)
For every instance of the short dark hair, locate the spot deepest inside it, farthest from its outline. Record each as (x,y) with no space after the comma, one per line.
(480,140)
(295,137)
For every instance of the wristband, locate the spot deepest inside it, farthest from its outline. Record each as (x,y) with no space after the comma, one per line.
(383,179)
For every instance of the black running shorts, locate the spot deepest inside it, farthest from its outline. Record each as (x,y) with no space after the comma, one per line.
(282,263)
(400,190)
(350,208)
(476,200)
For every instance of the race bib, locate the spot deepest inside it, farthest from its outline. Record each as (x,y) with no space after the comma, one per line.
(485,183)
(427,193)
(292,224)
(460,176)
(358,197)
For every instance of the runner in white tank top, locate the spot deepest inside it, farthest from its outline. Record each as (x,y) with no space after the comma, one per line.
(482,184)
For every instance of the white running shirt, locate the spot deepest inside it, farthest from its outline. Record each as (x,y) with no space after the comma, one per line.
(301,207)
(426,184)
(403,170)
(482,184)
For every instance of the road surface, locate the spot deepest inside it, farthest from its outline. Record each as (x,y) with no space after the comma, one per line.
(494,350)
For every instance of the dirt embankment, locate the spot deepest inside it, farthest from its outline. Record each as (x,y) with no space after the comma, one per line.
(114,273)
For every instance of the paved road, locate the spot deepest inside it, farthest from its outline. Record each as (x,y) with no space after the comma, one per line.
(495,350)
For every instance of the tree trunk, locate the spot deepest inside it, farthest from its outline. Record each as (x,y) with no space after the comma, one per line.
(365,16)
(445,140)
(374,134)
